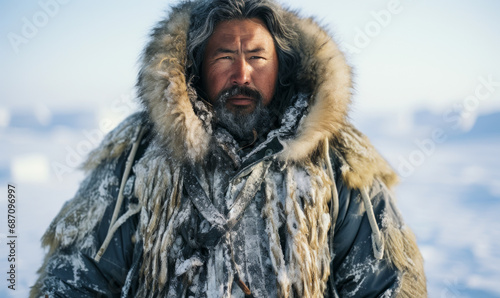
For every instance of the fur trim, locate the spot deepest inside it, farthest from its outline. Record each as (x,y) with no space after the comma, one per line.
(168,97)
(158,215)
(402,251)
(324,64)
(116,142)
(165,93)
(361,163)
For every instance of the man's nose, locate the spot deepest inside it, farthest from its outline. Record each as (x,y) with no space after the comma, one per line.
(241,73)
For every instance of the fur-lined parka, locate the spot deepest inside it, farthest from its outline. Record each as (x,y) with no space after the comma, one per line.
(173,207)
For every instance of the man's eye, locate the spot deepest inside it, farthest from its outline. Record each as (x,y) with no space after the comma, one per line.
(257,57)
(224,58)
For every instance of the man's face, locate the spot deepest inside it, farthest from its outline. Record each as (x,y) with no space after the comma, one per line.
(240,65)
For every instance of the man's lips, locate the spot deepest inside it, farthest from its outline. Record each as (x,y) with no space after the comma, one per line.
(240,100)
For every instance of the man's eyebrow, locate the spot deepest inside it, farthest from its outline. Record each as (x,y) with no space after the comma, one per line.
(225,51)
(229,51)
(256,50)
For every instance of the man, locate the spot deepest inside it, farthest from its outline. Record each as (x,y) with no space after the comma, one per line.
(242,178)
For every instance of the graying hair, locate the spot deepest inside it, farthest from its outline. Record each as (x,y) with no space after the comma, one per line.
(209,13)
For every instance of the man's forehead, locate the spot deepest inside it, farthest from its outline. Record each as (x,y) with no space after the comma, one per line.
(247,31)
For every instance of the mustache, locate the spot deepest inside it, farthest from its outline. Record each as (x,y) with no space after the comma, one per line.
(224,95)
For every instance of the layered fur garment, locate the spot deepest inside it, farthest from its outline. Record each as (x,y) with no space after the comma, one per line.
(180,136)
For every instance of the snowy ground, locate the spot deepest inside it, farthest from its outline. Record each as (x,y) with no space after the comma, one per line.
(450,196)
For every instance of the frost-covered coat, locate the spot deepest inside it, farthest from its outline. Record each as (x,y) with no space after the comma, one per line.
(173,207)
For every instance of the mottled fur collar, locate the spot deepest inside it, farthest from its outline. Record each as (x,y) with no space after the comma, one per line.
(168,96)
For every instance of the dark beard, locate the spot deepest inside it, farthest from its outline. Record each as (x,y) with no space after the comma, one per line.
(238,122)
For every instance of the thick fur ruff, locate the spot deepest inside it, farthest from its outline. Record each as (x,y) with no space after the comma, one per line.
(165,92)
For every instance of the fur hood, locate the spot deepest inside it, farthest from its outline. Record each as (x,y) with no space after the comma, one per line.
(168,96)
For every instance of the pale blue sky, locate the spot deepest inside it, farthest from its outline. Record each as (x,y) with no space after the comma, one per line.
(430,54)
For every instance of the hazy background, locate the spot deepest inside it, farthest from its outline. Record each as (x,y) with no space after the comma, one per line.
(427,93)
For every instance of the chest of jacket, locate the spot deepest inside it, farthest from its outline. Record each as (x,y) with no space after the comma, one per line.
(264,226)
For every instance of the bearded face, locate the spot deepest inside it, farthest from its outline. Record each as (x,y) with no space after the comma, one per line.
(239,74)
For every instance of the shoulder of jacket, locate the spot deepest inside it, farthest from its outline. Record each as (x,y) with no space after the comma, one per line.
(360,164)
(116,142)
(104,167)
